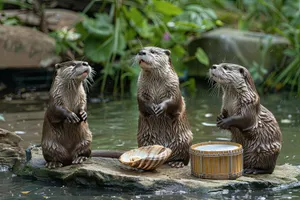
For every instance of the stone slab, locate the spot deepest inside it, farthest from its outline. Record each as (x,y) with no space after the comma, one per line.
(105,172)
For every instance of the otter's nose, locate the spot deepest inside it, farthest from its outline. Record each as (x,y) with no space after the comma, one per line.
(214,67)
(85,64)
(142,52)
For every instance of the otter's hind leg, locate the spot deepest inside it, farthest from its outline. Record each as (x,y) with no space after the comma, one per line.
(264,165)
(55,155)
(180,162)
(53,165)
(258,171)
(82,152)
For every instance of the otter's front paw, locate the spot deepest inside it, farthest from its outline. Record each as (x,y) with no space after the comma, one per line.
(152,108)
(83,115)
(159,109)
(53,165)
(224,123)
(220,117)
(73,118)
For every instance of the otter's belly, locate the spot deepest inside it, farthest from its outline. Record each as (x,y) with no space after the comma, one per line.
(71,135)
(154,130)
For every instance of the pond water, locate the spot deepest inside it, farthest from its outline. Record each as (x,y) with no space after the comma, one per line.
(114,125)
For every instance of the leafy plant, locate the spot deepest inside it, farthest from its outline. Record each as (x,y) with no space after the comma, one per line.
(279,17)
(113,38)
(120,28)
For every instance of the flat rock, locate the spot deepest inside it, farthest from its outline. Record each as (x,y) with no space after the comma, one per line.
(105,172)
(56,18)
(23,47)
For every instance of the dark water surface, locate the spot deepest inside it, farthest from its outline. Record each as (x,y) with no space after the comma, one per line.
(114,125)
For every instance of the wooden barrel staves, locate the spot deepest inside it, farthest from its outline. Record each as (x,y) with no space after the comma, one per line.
(217,160)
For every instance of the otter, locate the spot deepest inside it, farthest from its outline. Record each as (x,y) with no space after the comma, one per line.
(162,113)
(251,124)
(66,137)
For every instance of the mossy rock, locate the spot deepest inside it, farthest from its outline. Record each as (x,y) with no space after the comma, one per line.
(11,153)
(236,46)
(105,172)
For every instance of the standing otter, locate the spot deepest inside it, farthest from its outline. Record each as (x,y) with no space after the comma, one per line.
(162,118)
(66,136)
(250,123)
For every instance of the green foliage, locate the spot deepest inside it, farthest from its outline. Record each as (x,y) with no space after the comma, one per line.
(278,17)
(10,21)
(67,39)
(113,38)
(201,56)
(258,70)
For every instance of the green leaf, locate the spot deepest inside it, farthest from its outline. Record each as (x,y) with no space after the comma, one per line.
(219,23)
(100,49)
(2,117)
(100,26)
(178,51)
(121,44)
(135,16)
(11,21)
(79,28)
(201,56)
(97,49)
(129,34)
(145,31)
(166,8)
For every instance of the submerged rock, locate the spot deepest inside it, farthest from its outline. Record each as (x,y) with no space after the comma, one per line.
(105,172)
(11,153)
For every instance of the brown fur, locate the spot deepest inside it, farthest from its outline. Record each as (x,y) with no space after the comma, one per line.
(250,123)
(162,118)
(66,136)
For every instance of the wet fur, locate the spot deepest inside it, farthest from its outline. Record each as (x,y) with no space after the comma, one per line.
(250,123)
(65,142)
(162,118)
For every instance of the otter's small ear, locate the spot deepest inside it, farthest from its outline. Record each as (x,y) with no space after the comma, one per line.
(247,77)
(167,52)
(57,66)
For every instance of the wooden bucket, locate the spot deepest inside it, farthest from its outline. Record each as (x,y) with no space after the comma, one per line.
(217,160)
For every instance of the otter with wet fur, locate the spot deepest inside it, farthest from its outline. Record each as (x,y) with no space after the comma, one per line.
(66,135)
(250,123)
(162,118)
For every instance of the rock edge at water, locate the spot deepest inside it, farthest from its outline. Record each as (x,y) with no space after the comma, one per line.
(10,151)
(105,172)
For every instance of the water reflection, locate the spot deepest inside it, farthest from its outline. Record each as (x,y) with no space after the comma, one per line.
(114,126)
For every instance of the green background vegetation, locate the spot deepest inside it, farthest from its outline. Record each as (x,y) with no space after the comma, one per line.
(114,34)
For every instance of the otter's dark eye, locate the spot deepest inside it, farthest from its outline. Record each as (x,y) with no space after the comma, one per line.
(73,64)
(242,71)
(225,67)
(152,51)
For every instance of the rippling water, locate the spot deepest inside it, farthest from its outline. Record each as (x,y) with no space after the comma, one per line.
(114,125)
